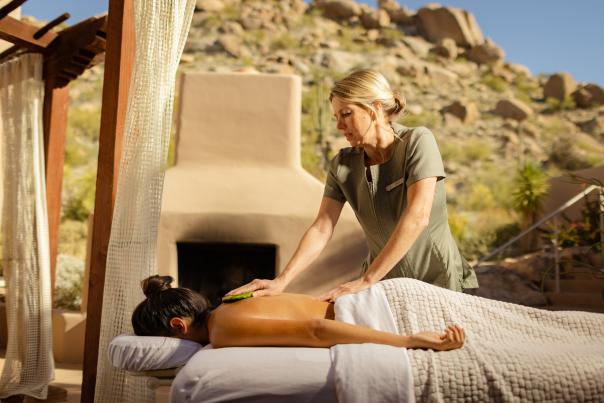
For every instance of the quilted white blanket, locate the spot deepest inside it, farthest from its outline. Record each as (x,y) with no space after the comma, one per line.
(512,352)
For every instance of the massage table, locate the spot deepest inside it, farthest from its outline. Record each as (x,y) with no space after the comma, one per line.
(512,353)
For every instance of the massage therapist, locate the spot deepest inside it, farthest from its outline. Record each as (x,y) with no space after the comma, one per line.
(392,176)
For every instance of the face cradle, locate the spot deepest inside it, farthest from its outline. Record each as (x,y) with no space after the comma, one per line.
(352,120)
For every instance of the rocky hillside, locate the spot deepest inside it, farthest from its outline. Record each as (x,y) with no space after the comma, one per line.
(488,115)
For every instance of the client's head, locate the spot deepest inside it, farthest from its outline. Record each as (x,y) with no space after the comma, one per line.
(167,311)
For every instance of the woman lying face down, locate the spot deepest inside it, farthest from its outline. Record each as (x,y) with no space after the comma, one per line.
(283,320)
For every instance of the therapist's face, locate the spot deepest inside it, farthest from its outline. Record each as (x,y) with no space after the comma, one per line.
(353,121)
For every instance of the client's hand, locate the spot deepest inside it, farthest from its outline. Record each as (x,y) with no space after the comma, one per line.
(452,338)
(260,287)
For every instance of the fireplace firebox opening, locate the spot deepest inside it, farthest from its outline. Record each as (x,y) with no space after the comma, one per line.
(215,268)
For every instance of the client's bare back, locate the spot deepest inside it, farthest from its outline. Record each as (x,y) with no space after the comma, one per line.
(283,306)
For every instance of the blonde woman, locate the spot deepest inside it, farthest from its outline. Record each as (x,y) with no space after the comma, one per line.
(392,177)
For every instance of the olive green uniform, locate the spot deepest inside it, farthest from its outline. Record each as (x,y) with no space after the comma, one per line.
(379,203)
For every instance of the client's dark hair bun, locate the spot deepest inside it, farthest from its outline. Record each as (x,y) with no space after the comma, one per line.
(155,284)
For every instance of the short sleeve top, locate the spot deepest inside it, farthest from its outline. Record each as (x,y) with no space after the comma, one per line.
(379,204)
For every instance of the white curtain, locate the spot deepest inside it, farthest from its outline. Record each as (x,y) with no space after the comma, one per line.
(29,365)
(161,28)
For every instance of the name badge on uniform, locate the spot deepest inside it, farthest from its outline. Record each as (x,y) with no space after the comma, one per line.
(395,184)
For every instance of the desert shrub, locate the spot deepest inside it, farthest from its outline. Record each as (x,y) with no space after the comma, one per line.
(285,41)
(495,83)
(556,105)
(84,123)
(458,224)
(476,149)
(426,118)
(500,185)
(348,40)
(450,150)
(465,152)
(72,238)
(392,34)
(554,128)
(317,124)
(482,231)
(312,160)
(563,152)
(506,232)
(230,12)
(479,198)
(78,198)
(525,88)
(68,285)
(591,153)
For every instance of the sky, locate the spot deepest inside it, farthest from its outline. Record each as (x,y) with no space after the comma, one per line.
(546,36)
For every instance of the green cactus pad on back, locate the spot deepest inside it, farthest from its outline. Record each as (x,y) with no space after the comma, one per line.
(235,298)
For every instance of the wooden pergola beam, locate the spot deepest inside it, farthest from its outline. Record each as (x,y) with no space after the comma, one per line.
(22,34)
(118,68)
(44,30)
(10,7)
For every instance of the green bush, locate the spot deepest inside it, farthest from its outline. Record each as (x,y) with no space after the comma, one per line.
(563,152)
(68,285)
(348,40)
(476,149)
(556,105)
(478,233)
(505,233)
(465,152)
(72,238)
(525,88)
(392,34)
(285,41)
(426,118)
(500,185)
(479,198)
(494,82)
(458,224)
(84,123)
(78,200)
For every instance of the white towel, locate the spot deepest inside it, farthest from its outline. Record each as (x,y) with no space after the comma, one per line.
(370,372)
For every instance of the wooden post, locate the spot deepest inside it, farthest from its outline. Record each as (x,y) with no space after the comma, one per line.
(56,103)
(118,66)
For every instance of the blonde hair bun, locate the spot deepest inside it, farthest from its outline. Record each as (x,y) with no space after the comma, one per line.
(365,87)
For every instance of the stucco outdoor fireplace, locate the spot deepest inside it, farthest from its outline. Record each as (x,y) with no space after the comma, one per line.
(237,200)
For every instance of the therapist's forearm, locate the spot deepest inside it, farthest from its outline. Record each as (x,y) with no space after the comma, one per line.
(310,247)
(404,235)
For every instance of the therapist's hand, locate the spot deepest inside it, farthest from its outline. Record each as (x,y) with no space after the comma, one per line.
(350,287)
(260,287)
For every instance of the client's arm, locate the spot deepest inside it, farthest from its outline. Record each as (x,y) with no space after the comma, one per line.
(248,332)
